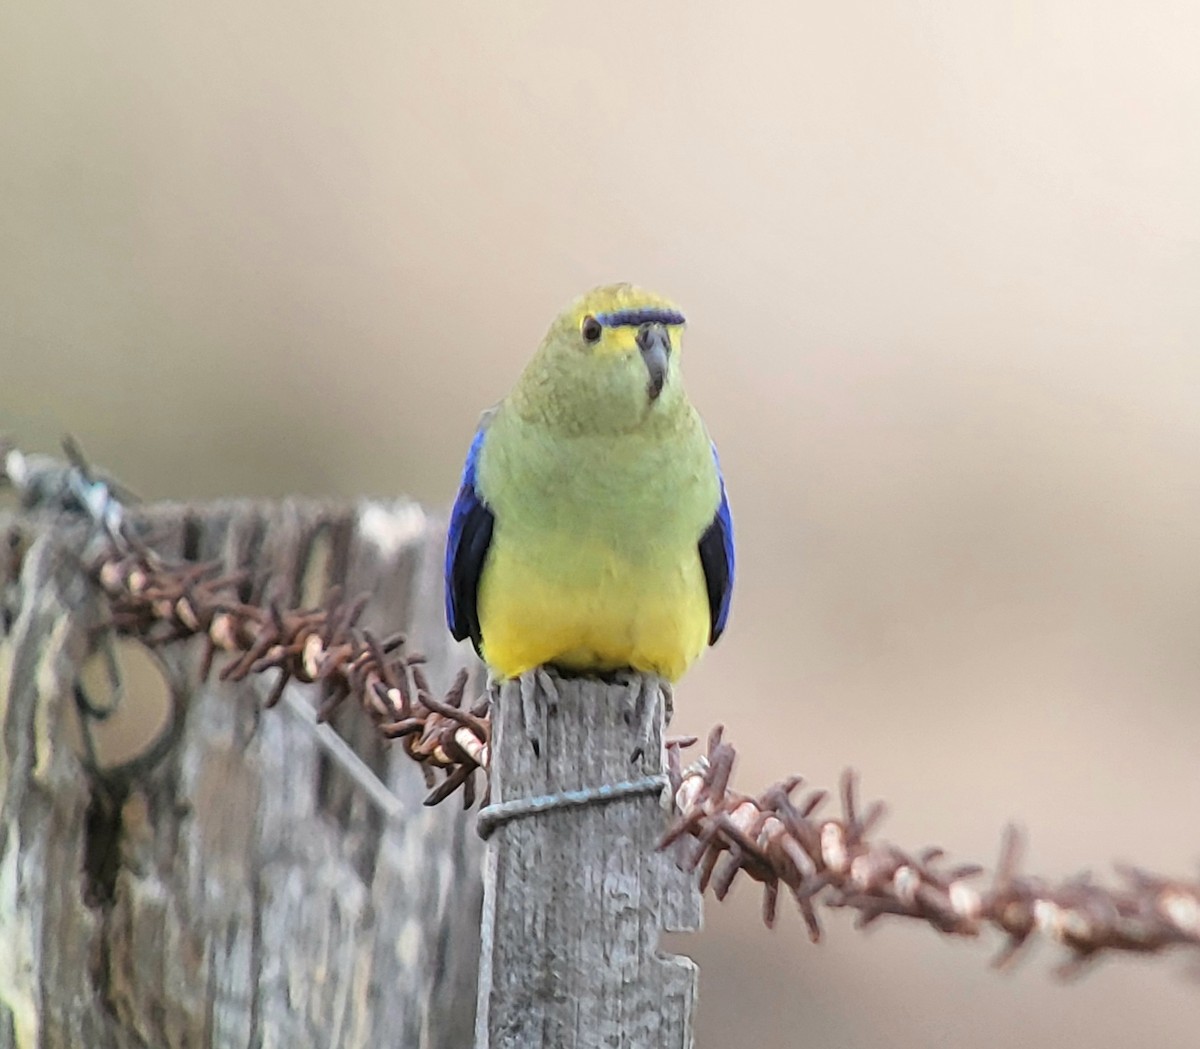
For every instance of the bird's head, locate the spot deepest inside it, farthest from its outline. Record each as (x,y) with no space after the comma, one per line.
(609,363)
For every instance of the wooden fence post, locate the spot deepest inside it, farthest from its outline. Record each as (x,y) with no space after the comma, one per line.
(575,898)
(241,891)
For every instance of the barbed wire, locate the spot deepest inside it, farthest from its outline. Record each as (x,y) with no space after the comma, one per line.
(777,838)
(781,841)
(161,603)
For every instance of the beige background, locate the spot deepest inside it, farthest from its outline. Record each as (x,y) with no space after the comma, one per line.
(941,262)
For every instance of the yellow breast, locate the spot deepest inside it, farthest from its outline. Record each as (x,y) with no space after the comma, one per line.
(579,605)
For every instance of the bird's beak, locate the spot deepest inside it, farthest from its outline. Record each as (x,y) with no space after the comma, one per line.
(654,342)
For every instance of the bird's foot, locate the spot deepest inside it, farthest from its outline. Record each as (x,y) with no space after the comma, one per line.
(534,712)
(643,692)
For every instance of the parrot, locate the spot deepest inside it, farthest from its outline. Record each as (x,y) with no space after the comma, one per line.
(591,532)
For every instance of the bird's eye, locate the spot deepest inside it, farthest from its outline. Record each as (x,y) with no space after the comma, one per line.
(591,329)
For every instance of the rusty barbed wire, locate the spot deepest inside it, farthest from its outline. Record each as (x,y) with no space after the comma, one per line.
(777,839)
(161,603)
(782,841)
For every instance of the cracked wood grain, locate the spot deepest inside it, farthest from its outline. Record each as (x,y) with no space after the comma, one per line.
(241,891)
(576,899)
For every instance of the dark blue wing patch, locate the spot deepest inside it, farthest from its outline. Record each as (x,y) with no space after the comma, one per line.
(716,557)
(467,543)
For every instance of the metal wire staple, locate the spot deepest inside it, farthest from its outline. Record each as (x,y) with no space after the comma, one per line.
(492,816)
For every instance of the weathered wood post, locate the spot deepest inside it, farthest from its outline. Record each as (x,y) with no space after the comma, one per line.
(240,890)
(576,895)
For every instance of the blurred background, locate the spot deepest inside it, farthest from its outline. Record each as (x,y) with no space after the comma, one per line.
(941,264)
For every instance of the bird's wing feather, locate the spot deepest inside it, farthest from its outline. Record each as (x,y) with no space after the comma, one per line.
(716,557)
(467,542)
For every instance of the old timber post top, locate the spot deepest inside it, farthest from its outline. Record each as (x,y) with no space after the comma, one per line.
(576,897)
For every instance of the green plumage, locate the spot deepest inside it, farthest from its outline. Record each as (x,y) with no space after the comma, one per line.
(600,493)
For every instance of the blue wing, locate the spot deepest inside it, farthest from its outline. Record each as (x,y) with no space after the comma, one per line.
(716,557)
(467,543)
